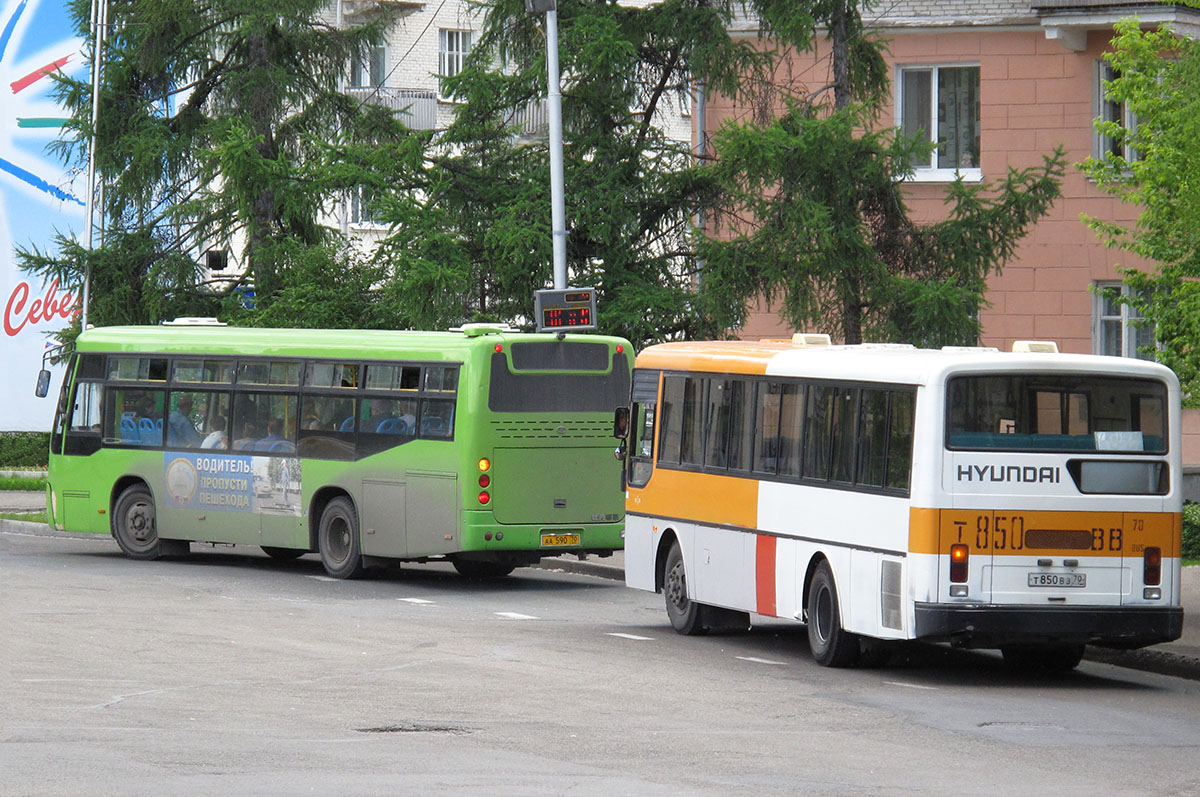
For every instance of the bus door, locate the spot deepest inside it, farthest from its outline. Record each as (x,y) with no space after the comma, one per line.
(77,435)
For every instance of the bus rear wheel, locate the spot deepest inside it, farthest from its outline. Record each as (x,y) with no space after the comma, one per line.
(832,645)
(135,528)
(476,570)
(687,616)
(337,539)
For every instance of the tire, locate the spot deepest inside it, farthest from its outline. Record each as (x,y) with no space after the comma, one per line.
(135,528)
(832,645)
(337,539)
(476,570)
(283,554)
(687,616)
(1052,658)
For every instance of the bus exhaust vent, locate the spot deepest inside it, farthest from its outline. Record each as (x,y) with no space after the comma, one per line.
(889,590)
(807,339)
(551,429)
(1035,346)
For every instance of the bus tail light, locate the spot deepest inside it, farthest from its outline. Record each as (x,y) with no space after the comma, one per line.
(484,480)
(960,561)
(484,497)
(1152,566)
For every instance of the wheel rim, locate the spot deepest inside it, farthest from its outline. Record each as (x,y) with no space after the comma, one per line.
(676,588)
(824,614)
(138,522)
(337,537)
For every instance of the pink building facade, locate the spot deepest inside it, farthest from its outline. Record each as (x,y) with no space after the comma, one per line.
(1002,84)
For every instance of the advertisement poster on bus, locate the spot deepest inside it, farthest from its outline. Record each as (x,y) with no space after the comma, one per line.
(205,481)
(40,197)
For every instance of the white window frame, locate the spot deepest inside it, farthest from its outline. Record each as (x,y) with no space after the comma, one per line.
(931,173)
(1106,110)
(454,45)
(1125,316)
(363,70)
(357,211)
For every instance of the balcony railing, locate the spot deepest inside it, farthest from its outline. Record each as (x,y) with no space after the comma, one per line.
(530,119)
(417,108)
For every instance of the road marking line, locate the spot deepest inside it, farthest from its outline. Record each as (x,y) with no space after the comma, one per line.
(757,660)
(909,686)
(324,578)
(420,601)
(632,636)
(515,616)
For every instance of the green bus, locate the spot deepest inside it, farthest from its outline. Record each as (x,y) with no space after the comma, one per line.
(483,446)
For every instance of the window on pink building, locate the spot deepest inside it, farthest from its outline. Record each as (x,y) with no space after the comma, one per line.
(941,104)
(1117,329)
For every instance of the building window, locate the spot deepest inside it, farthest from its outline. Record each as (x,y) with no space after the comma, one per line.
(941,104)
(362,211)
(369,71)
(453,46)
(1116,330)
(1107,110)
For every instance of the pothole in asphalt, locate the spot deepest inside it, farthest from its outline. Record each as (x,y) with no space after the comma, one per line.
(408,727)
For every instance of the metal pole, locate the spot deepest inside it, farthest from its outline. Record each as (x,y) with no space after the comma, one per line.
(701,150)
(99,27)
(554,110)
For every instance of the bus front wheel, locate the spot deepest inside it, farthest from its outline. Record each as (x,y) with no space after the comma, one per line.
(135,528)
(687,616)
(832,645)
(337,539)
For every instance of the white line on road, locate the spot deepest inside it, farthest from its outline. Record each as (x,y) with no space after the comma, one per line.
(324,578)
(515,616)
(420,601)
(759,661)
(632,636)
(909,686)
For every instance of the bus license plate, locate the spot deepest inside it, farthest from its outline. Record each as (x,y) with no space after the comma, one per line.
(559,540)
(1058,579)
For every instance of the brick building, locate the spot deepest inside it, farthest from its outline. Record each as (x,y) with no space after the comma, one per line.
(1003,82)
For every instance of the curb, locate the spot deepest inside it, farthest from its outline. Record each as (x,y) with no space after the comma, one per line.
(585,567)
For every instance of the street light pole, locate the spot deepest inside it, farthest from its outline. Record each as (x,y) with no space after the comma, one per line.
(99,34)
(554,112)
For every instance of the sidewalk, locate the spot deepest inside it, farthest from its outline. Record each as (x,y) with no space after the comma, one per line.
(1180,658)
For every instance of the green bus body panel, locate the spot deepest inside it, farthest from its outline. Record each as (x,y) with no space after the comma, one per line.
(557,485)
(417,499)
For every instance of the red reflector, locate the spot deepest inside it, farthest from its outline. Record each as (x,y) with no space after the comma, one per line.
(499,347)
(1152,567)
(620,348)
(959,563)
(485,480)
(484,497)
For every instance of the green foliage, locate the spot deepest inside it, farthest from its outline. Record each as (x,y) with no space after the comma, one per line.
(21,450)
(1191,531)
(1157,80)
(24,483)
(816,218)
(215,120)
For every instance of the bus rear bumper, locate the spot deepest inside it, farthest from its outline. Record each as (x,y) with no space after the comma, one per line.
(985,626)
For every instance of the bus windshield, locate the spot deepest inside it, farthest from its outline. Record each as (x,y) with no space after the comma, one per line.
(1056,412)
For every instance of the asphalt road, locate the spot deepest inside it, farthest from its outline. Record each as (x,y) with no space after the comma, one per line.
(228,673)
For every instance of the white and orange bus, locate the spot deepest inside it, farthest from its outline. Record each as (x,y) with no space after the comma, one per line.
(1028,501)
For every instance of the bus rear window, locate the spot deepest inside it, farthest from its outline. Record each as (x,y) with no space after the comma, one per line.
(559,390)
(1056,412)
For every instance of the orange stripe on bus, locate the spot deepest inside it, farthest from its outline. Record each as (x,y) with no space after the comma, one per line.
(727,357)
(700,497)
(764,574)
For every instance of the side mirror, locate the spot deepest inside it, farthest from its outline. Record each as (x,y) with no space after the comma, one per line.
(43,383)
(621,423)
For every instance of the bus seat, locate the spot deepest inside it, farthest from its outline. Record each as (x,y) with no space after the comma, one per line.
(150,434)
(389,426)
(282,446)
(129,431)
(432,425)
(347,425)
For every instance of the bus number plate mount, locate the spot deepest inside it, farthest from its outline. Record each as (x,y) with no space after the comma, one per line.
(560,540)
(1058,579)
